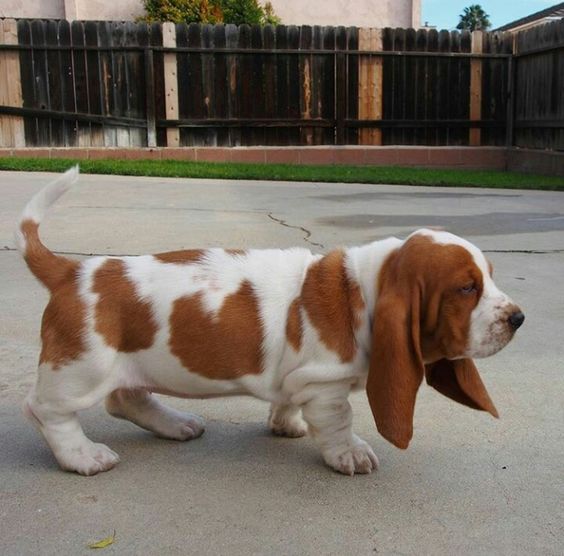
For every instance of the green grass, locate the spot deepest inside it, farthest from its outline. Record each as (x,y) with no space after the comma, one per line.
(284,172)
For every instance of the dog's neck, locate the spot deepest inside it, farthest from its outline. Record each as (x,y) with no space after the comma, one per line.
(364,264)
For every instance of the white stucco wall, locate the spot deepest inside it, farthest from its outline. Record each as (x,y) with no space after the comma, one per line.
(72,9)
(108,9)
(32,8)
(362,13)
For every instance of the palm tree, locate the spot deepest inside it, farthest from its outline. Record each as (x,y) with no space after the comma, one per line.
(474,18)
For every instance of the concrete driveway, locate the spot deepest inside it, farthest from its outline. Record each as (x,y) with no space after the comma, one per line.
(468,484)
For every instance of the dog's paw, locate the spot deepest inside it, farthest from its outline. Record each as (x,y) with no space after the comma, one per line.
(89,458)
(179,426)
(293,427)
(360,458)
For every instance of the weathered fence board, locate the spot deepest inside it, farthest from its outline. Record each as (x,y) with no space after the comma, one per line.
(353,85)
(171,84)
(370,85)
(94,64)
(495,87)
(476,87)
(539,86)
(323,74)
(127,84)
(12,133)
(80,92)
(269,91)
(27,80)
(420,78)
(306,100)
(419,91)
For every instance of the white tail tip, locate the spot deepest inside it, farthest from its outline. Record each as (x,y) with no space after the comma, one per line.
(37,207)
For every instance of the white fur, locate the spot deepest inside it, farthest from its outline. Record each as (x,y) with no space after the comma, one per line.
(37,207)
(488,331)
(313,379)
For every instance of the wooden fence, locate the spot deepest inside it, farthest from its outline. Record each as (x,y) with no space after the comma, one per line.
(127,84)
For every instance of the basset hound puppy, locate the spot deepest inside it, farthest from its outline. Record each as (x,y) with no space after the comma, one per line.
(296,329)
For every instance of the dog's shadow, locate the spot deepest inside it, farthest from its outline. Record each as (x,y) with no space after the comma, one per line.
(241,445)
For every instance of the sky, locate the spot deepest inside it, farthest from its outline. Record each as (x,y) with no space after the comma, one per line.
(444,14)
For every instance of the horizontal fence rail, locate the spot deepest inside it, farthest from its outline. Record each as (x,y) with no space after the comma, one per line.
(253,51)
(127,84)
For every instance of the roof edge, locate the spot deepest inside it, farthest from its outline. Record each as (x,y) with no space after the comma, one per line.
(547,12)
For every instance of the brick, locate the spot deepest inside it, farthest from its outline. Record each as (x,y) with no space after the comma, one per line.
(141,154)
(32,153)
(543,165)
(180,153)
(496,158)
(445,157)
(251,156)
(351,156)
(413,156)
(324,155)
(282,156)
(484,158)
(5,152)
(530,161)
(75,154)
(523,161)
(557,166)
(213,154)
(384,156)
(102,153)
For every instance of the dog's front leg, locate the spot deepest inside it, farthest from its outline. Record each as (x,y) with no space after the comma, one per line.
(329,417)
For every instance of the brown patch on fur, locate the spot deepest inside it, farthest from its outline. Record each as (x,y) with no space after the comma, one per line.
(63,323)
(460,381)
(294,325)
(184,256)
(48,268)
(333,303)
(422,314)
(121,317)
(431,275)
(222,347)
(188,256)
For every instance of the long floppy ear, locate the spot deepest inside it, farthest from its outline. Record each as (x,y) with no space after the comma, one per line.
(459,380)
(396,367)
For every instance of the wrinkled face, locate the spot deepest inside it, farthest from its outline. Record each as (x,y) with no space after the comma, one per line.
(466,315)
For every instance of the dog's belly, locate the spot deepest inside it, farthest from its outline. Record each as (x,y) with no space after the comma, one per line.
(160,371)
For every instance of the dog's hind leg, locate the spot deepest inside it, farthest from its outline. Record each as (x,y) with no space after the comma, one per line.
(285,420)
(52,405)
(142,408)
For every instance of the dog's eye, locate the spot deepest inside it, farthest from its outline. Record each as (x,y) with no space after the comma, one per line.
(468,289)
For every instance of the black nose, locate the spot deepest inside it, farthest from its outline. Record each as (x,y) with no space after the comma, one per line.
(516,320)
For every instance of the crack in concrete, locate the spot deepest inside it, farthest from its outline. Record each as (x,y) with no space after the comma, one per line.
(184,209)
(525,251)
(305,230)
(6,248)
(78,253)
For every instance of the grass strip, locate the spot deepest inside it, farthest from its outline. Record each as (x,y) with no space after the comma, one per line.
(391,175)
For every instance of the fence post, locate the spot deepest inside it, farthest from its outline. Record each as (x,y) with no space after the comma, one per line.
(150,95)
(171,84)
(370,85)
(475,137)
(341,74)
(12,133)
(510,119)
(341,85)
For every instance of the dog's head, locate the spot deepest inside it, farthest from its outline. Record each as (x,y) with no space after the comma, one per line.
(437,308)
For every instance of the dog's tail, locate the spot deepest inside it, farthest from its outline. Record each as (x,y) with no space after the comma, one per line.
(49,269)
